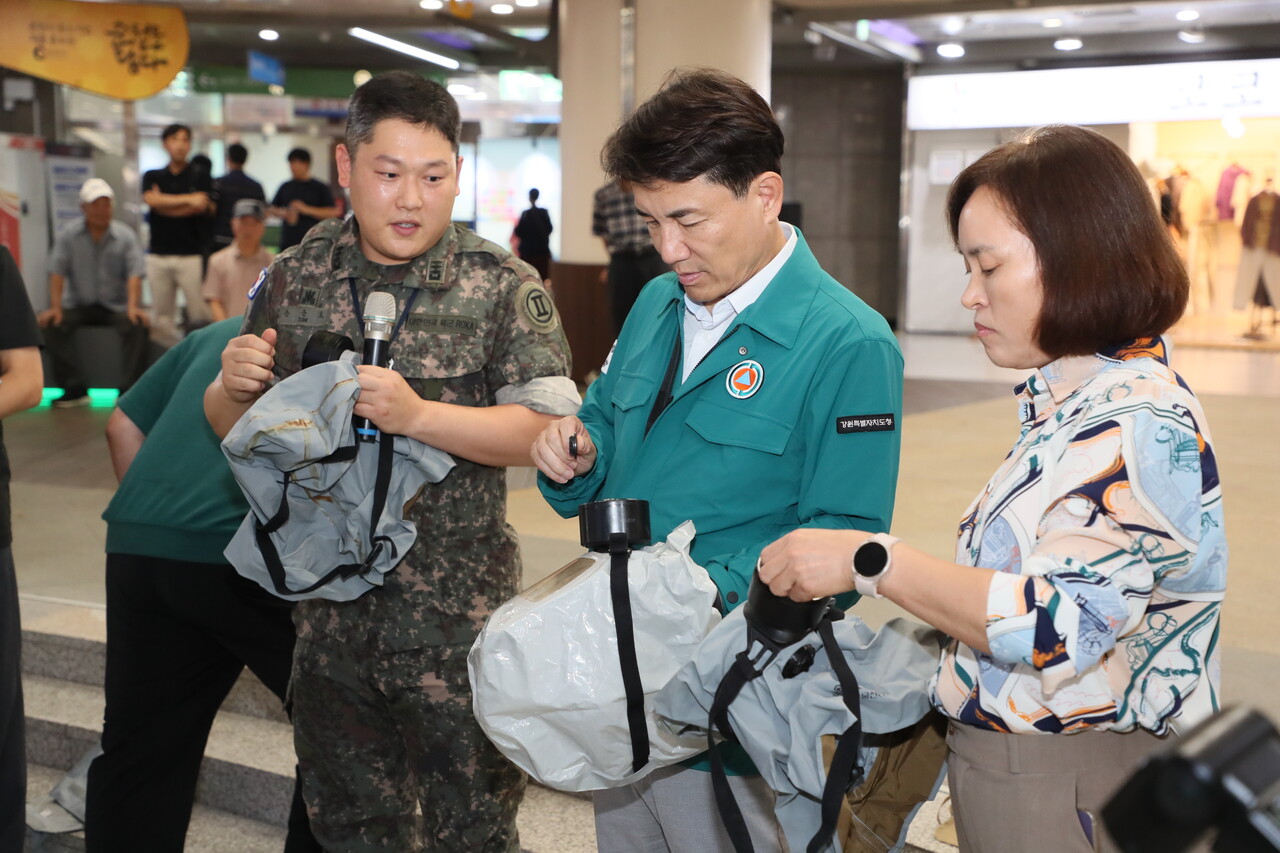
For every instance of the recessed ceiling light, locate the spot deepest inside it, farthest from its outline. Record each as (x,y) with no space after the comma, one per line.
(951,50)
(268,35)
(501,9)
(1051,23)
(431,5)
(1068,44)
(1193,34)
(952,25)
(1188,15)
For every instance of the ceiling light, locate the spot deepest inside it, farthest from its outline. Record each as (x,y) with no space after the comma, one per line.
(406,49)
(1068,44)
(268,35)
(952,25)
(1193,34)
(501,8)
(1188,15)
(361,77)
(431,5)
(1051,23)
(951,50)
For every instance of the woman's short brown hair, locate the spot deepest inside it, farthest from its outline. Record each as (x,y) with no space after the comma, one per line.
(1108,266)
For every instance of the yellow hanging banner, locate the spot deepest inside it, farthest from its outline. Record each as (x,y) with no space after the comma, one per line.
(121,50)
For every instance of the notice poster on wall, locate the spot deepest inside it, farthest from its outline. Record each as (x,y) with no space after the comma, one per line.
(65,175)
(10,225)
(944,165)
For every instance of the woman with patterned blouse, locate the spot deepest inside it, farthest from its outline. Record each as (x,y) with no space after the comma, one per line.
(1089,573)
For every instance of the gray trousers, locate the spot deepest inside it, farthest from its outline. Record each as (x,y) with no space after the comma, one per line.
(1015,793)
(673,810)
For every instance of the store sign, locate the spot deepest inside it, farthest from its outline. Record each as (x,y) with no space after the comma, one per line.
(257,109)
(1182,91)
(114,49)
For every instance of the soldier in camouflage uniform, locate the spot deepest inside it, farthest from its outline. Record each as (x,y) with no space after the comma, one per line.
(390,754)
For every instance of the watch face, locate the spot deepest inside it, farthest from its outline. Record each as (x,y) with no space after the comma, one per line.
(870,559)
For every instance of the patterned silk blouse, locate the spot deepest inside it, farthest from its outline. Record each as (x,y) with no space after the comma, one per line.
(1105,525)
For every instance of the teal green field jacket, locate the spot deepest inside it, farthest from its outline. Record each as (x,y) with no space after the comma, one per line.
(814,444)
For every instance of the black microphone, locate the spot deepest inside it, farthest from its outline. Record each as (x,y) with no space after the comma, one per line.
(379,320)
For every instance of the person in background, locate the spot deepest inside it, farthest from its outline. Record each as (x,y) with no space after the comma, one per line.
(1089,573)
(749,391)
(181,624)
(533,235)
(95,279)
(21,385)
(633,260)
(179,196)
(301,201)
(391,755)
(233,270)
(228,191)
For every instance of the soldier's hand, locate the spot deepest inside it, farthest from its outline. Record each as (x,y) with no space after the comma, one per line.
(50,316)
(387,400)
(246,366)
(552,451)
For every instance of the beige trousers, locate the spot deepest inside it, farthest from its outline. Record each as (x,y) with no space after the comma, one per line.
(1021,793)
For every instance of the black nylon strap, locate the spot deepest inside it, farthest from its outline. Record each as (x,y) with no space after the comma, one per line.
(844,771)
(620,597)
(742,671)
(271,556)
(745,668)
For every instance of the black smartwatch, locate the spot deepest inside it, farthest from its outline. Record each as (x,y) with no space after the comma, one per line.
(871,563)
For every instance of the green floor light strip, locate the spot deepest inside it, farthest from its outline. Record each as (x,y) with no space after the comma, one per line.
(99,398)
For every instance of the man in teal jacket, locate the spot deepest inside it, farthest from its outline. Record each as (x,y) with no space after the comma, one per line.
(748,391)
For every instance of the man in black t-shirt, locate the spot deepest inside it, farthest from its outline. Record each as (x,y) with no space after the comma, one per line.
(21,382)
(179,198)
(228,190)
(301,202)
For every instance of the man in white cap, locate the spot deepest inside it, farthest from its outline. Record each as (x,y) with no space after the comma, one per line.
(233,270)
(95,279)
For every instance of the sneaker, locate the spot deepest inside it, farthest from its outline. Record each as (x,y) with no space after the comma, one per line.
(69,402)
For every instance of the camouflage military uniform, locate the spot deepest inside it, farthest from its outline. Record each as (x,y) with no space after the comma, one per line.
(381,703)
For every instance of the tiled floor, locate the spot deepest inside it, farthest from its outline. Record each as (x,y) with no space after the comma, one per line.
(62,480)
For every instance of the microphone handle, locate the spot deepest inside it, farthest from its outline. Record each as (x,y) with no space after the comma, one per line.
(376,352)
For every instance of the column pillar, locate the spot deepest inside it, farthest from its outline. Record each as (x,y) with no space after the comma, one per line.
(613,55)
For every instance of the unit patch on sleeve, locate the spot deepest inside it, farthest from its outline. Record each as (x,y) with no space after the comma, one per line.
(865,423)
(534,306)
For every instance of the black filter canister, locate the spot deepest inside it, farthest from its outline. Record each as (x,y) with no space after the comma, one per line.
(598,521)
(779,618)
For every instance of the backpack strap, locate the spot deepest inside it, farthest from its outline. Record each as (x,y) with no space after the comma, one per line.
(748,665)
(271,556)
(844,773)
(620,597)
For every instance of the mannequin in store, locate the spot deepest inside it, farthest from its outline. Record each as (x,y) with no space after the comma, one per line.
(1195,212)
(1225,199)
(1260,248)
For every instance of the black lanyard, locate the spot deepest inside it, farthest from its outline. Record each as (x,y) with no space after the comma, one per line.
(668,381)
(404,314)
